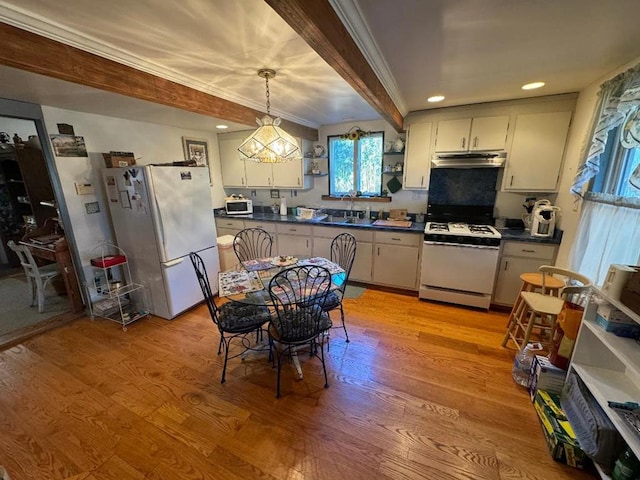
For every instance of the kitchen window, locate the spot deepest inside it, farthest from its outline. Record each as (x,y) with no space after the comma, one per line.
(355,164)
(617,165)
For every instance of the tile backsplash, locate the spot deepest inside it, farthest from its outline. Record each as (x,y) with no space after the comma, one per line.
(463,186)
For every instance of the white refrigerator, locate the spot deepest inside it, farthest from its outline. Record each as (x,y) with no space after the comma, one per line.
(159,215)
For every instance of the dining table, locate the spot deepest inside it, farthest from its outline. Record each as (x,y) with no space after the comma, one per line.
(248,281)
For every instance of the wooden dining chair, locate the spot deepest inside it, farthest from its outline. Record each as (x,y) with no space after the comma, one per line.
(234,320)
(252,243)
(38,277)
(296,294)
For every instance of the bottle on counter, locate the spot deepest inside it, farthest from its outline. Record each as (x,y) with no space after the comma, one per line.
(283,206)
(627,466)
(367,212)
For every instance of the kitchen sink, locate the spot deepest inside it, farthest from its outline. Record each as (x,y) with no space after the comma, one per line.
(359,221)
(346,221)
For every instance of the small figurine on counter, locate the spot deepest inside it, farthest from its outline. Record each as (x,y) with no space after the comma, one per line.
(17,140)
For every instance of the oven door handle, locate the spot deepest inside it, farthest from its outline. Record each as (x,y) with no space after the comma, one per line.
(460,245)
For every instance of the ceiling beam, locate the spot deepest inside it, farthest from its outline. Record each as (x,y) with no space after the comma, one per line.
(34,53)
(318,24)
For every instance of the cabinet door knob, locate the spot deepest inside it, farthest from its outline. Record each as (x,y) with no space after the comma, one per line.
(464,142)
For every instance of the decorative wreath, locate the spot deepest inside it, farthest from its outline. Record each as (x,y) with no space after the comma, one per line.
(355,133)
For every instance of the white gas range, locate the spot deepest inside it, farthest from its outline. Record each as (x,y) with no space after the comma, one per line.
(459,263)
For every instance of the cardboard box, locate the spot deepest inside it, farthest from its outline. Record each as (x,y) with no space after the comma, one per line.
(119,159)
(545,376)
(619,329)
(630,296)
(612,314)
(561,440)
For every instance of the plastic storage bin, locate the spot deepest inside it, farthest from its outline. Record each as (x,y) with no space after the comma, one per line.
(227,256)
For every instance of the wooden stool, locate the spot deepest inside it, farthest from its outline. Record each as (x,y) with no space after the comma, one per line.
(541,309)
(535,309)
(531,282)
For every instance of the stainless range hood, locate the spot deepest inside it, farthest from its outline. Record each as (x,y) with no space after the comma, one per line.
(469,160)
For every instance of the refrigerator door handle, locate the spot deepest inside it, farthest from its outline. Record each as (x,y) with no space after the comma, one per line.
(172,263)
(164,244)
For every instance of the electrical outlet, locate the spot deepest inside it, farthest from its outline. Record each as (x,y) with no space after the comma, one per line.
(92,207)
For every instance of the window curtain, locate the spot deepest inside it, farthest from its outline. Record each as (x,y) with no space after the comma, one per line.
(608,233)
(617,98)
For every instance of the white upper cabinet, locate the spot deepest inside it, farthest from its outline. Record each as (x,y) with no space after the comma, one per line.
(233,172)
(469,134)
(417,157)
(248,174)
(535,157)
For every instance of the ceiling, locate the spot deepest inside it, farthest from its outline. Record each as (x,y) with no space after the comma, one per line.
(467,50)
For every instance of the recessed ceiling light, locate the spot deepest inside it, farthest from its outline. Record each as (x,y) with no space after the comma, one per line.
(533,85)
(435,98)
(222,127)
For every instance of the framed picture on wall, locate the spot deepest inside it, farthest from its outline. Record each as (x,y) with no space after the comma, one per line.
(68,146)
(196,149)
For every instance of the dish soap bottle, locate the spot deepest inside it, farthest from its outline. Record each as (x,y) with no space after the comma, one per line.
(283,206)
(367,212)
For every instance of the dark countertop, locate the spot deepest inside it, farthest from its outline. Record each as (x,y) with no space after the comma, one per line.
(515,234)
(520,235)
(274,217)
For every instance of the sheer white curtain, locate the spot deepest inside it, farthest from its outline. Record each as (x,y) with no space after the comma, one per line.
(609,232)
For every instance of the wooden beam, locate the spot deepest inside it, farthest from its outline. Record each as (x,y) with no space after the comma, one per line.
(321,28)
(37,54)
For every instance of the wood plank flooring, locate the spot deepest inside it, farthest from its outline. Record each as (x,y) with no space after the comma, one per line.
(422,391)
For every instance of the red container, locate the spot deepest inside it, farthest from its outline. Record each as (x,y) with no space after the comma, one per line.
(109,261)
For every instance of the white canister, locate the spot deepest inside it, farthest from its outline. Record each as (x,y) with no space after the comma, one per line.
(283,206)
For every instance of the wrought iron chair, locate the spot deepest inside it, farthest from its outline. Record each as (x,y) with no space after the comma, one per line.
(296,294)
(37,277)
(234,320)
(343,252)
(252,243)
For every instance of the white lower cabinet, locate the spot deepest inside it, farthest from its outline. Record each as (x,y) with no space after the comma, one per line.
(518,258)
(361,270)
(608,365)
(228,226)
(396,259)
(294,239)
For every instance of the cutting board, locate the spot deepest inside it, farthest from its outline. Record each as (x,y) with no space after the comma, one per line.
(393,223)
(398,214)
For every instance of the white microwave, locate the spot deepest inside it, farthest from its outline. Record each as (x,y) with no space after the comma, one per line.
(238,206)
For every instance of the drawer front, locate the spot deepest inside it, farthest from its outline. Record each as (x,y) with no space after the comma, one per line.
(529,250)
(266,226)
(230,223)
(293,229)
(397,238)
(361,235)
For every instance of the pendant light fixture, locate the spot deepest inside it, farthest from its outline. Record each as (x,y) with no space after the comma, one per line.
(269,143)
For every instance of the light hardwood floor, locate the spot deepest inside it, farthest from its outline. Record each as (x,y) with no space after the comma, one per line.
(423,391)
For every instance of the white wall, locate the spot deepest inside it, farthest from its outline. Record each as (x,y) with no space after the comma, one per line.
(151,143)
(576,146)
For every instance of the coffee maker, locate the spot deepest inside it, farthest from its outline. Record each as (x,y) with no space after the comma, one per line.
(543,222)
